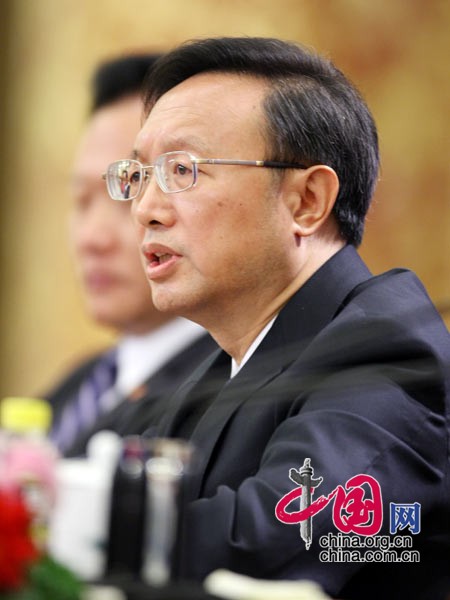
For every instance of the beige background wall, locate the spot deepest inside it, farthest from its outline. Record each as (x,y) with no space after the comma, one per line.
(395,50)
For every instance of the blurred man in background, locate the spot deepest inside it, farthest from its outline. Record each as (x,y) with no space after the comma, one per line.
(154,351)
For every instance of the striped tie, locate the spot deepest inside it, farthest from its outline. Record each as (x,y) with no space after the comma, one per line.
(80,414)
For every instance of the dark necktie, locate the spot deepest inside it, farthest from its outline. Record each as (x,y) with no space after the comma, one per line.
(81,413)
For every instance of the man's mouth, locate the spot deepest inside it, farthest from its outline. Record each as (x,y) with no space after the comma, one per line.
(159,258)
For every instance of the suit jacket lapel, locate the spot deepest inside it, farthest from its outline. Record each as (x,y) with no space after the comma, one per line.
(185,395)
(233,394)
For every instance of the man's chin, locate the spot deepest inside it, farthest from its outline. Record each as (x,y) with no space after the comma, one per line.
(170,304)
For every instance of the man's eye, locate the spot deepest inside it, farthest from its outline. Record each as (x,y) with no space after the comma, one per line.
(181,169)
(135,177)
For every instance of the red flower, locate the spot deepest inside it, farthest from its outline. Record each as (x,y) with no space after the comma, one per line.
(17,550)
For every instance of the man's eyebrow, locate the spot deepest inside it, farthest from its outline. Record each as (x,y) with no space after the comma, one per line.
(191,143)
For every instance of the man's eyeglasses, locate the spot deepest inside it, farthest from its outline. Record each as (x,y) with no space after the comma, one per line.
(174,171)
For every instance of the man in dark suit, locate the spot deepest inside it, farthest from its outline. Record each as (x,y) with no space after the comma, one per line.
(123,388)
(322,424)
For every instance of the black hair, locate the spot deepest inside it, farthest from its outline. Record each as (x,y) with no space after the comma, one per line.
(119,77)
(314,113)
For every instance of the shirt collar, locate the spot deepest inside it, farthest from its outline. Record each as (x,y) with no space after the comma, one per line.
(235,367)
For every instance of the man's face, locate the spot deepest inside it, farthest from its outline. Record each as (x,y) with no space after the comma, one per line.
(102,235)
(228,242)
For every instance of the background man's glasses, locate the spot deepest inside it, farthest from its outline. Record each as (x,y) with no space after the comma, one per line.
(174,172)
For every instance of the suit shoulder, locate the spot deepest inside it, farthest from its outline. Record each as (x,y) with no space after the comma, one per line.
(396,301)
(71,379)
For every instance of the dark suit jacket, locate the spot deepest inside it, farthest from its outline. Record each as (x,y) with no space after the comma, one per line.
(145,408)
(354,374)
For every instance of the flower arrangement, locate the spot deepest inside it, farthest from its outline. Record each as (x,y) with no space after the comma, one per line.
(26,572)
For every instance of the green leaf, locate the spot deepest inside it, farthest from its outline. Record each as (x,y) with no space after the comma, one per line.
(52,581)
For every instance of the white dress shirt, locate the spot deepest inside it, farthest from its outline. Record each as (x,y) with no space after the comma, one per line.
(140,356)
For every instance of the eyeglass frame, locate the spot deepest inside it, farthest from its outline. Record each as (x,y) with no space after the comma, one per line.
(268,164)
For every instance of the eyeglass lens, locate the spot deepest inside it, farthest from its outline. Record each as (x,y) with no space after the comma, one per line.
(124,179)
(174,172)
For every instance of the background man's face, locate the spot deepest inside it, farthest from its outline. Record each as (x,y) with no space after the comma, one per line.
(227,242)
(102,235)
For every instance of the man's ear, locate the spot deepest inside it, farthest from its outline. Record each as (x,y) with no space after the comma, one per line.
(316,190)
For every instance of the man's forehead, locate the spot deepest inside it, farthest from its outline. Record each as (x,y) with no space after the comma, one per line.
(222,87)
(205,103)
